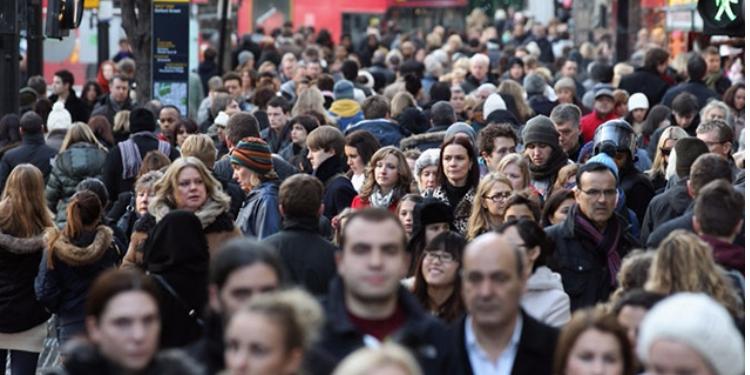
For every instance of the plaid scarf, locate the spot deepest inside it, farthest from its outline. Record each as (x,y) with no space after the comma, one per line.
(606,243)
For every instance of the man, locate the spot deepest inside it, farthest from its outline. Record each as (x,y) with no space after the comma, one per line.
(570,70)
(277,133)
(377,111)
(593,239)
(696,69)
(706,168)
(169,115)
(117,100)
(684,114)
(675,200)
(496,141)
(458,102)
(442,116)
(541,144)
(715,78)
(498,336)
(567,119)
(648,78)
(31,150)
(325,151)
(62,91)
(306,254)
(233,84)
(345,109)
(718,218)
(479,67)
(718,136)
(124,160)
(366,304)
(603,111)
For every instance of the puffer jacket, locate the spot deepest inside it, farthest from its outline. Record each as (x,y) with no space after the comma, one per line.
(346,112)
(386,131)
(545,299)
(259,216)
(80,161)
(76,263)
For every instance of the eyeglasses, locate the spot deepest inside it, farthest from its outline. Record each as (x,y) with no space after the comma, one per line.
(596,193)
(499,197)
(442,256)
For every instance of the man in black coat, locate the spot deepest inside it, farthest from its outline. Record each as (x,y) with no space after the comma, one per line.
(117,100)
(62,87)
(696,68)
(326,149)
(592,241)
(124,160)
(647,79)
(367,304)
(308,256)
(496,332)
(32,149)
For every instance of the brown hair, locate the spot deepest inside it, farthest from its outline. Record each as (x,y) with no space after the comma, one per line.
(596,319)
(326,138)
(472,178)
(202,147)
(301,195)
(23,209)
(102,129)
(373,215)
(84,211)
(719,208)
(113,282)
(153,161)
(454,244)
(488,134)
(403,185)
(633,273)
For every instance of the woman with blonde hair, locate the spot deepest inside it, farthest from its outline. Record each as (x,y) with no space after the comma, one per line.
(401,101)
(514,89)
(489,204)
(24,217)
(186,185)
(121,126)
(389,358)
(516,168)
(81,156)
(658,172)
(387,179)
(311,100)
(682,251)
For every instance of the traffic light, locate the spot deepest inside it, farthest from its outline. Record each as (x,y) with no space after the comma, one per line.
(723,17)
(63,15)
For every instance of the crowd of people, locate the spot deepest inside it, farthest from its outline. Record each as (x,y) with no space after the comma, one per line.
(491,200)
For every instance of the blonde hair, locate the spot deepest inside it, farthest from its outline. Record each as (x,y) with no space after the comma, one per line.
(23,208)
(521,162)
(365,360)
(80,132)
(684,263)
(633,272)
(200,146)
(311,100)
(403,185)
(514,89)
(165,188)
(620,70)
(122,121)
(674,133)
(480,220)
(563,175)
(401,101)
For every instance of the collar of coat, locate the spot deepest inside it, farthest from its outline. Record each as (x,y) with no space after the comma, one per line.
(21,246)
(74,255)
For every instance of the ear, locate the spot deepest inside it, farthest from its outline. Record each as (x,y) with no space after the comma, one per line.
(92,329)
(484,155)
(281,210)
(696,225)
(691,192)
(213,298)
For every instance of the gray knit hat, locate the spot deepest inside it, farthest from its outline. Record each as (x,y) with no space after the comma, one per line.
(540,129)
(534,84)
(461,127)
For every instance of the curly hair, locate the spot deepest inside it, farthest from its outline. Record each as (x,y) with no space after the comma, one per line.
(403,185)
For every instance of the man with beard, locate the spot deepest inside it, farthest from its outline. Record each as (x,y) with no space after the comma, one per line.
(542,148)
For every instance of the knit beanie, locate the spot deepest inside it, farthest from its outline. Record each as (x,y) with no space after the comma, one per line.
(687,150)
(244,57)
(221,119)
(698,321)
(607,160)
(534,84)
(59,118)
(253,154)
(141,119)
(343,89)
(493,103)
(461,127)
(637,101)
(540,129)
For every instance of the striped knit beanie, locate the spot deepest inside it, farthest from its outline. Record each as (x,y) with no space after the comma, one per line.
(253,154)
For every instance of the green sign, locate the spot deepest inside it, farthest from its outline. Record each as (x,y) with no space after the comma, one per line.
(722,17)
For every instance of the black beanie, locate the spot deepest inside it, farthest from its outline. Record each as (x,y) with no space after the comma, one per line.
(687,150)
(432,211)
(142,120)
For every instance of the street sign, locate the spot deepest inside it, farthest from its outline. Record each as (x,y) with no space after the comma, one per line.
(723,17)
(171,52)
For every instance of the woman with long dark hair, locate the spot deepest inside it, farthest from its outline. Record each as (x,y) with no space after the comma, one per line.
(437,284)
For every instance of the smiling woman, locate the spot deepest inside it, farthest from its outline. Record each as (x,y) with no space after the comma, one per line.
(437,285)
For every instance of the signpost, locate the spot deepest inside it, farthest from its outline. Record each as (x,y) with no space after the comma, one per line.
(171,52)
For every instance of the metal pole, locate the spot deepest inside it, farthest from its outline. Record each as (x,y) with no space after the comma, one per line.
(34,39)
(9,56)
(223,4)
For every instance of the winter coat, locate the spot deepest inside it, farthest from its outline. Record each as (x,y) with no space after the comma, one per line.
(80,161)
(259,216)
(638,190)
(223,170)
(113,169)
(545,299)
(664,207)
(461,212)
(697,88)
(307,256)
(346,112)
(275,140)
(19,263)
(32,150)
(590,122)
(541,105)
(423,141)
(359,202)
(105,107)
(585,275)
(339,192)
(386,131)
(76,264)
(86,359)
(422,334)
(74,106)
(646,81)
(413,120)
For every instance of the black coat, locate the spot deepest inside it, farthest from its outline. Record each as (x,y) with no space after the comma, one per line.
(308,256)
(536,348)
(541,105)
(339,192)
(106,108)
(585,275)
(647,82)
(113,166)
(32,150)
(666,206)
(638,190)
(85,359)
(77,109)
(422,334)
(697,88)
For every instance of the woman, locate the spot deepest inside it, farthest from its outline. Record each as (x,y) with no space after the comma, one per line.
(251,162)
(129,296)
(593,342)
(658,118)
(182,129)
(90,95)
(107,71)
(24,217)
(637,109)
(102,130)
(296,151)
(681,251)
(521,205)
(437,284)
(81,156)
(514,89)
(10,136)
(516,168)
(186,185)
(557,206)
(388,178)
(311,100)
(426,169)
(121,126)
(136,205)
(458,178)
(74,257)
(544,298)
(405,211)
(734,97)
(285,324)
(389,358)
(359,147)
(489,203)
(566,178)
(658,172)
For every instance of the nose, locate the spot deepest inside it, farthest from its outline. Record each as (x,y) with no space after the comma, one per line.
(376,259)
(485,288)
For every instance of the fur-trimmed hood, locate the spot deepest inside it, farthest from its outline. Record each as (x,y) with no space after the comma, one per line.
(416,140)
(74,255)
(206,214)
(21,246)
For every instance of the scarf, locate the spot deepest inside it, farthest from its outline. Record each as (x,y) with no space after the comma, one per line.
(377,199)
(557,160)
(606,243)
(131,154)
(712,78)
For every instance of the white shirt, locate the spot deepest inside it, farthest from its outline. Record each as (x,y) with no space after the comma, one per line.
(481,363)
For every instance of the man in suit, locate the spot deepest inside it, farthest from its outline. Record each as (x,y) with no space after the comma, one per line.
(497,336)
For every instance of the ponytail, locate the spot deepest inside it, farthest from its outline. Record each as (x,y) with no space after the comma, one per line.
(84,210)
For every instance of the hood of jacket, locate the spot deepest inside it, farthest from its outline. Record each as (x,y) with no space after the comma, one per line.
(81,159)
(345,107)
(74,255)
(22,246)
(544,279)
(415,140)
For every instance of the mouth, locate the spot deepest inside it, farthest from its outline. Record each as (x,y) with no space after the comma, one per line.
(374,279)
